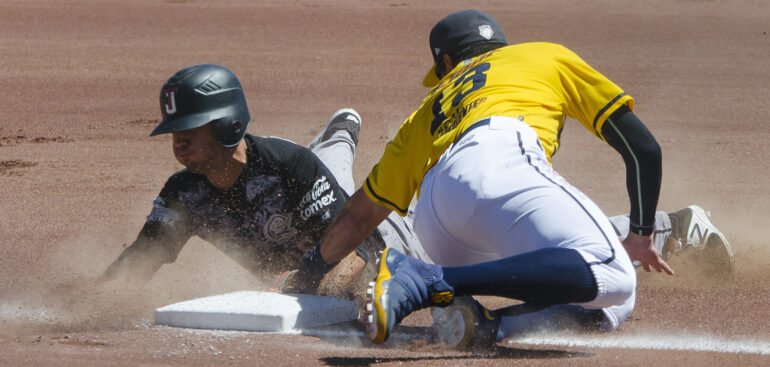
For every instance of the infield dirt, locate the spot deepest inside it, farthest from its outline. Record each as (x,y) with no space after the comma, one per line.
(78,173)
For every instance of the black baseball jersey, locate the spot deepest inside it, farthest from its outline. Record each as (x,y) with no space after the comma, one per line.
(280,206)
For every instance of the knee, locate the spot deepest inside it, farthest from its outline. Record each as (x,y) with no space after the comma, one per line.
(615,287)
(615,316)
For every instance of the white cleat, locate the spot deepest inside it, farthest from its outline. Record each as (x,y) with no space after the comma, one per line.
(693,228)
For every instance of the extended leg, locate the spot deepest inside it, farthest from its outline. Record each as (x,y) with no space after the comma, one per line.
(544,277)
(473,210)
(336,144)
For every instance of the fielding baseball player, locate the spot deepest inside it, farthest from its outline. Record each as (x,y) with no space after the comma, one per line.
(491,210)
(264,202)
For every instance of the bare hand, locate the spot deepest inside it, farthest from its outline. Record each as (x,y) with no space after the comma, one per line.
(640,248)
(336,283)
(341,280)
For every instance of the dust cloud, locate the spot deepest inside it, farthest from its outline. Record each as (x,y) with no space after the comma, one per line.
(68,294)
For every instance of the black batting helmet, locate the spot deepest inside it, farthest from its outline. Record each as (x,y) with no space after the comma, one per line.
(202,94)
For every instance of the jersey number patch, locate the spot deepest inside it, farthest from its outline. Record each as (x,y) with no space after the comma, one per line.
(476,76)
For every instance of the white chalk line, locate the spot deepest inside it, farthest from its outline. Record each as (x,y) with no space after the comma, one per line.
(682,342)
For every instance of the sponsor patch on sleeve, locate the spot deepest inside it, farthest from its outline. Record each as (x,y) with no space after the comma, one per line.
(161,214)
(317,199)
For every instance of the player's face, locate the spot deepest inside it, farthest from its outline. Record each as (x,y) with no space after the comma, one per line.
(196,149)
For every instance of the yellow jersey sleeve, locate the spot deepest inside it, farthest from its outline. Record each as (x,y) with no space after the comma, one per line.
(394,180)
(590,97)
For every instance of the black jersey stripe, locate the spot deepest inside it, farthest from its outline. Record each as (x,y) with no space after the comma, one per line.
(529,161)
(380,198)
(601,112)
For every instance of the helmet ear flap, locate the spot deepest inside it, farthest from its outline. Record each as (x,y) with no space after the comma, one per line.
(236,127)
(228,132)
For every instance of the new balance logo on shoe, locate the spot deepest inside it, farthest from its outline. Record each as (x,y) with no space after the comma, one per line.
(702,235)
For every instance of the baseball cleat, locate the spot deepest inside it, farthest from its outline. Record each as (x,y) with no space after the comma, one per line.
(403,285)
(346,119)
(465,324)
(693,228)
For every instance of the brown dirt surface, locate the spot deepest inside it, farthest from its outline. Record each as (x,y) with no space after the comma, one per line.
(78,172)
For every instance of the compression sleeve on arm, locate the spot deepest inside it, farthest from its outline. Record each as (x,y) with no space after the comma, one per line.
(642,155)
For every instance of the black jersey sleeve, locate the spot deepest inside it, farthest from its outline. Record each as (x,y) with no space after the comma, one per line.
(317,196)
(161,239)
(643,158)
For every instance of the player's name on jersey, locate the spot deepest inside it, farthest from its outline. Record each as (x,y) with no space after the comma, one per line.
(456,117)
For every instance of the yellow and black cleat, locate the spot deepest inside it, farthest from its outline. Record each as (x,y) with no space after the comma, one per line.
(403,285)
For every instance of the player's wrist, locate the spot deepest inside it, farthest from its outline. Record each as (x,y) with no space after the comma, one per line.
(312,268)
(641,230)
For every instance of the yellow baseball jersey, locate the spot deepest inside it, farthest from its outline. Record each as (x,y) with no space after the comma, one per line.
(540,83)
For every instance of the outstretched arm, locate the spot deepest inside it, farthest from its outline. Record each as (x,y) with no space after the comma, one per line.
(642,155)
(155,246)
(357,220)
(333,262)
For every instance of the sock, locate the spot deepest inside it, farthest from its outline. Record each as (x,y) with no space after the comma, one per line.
(547,276)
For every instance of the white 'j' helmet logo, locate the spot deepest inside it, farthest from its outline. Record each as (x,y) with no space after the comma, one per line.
(170,101)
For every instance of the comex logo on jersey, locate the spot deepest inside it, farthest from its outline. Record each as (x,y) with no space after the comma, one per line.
(316,199)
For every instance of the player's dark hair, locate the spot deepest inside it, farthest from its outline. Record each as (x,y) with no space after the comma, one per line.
(467,53)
